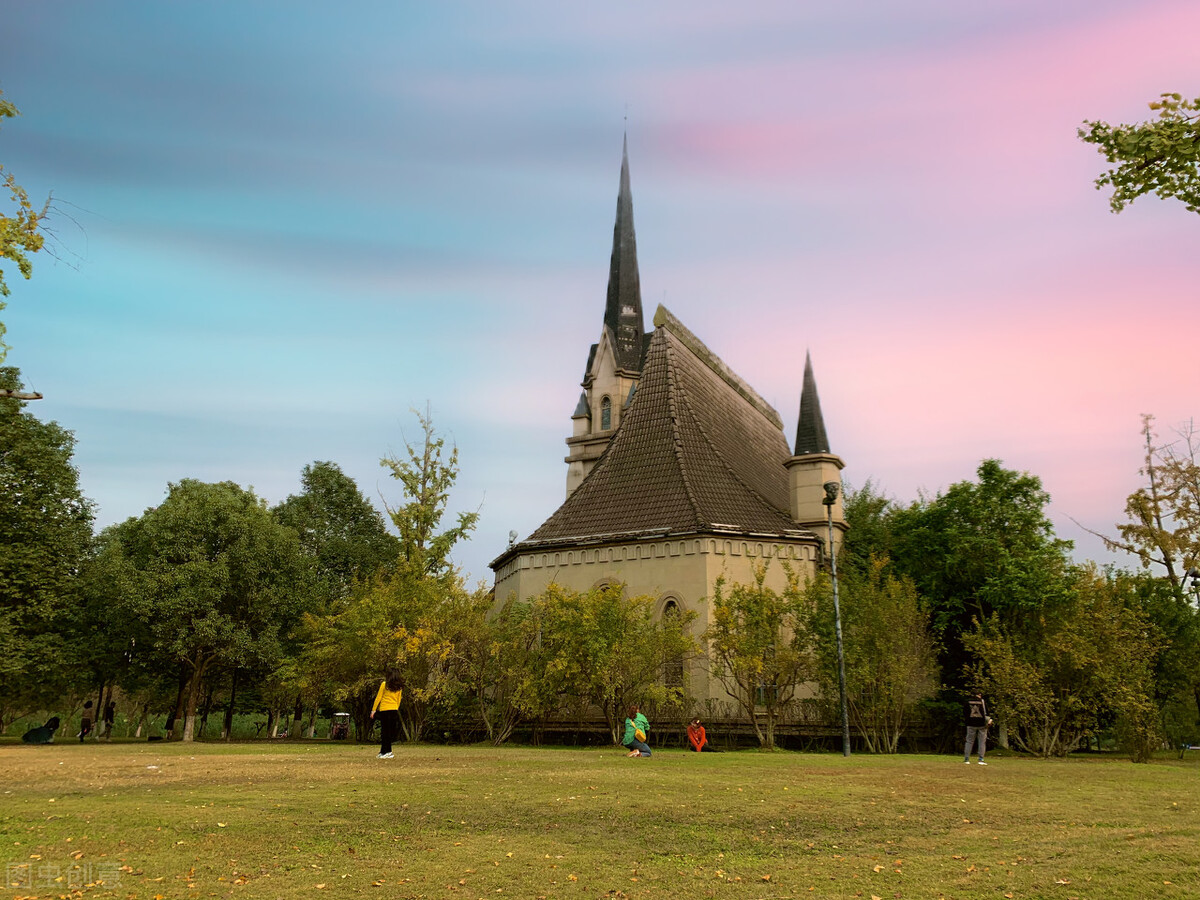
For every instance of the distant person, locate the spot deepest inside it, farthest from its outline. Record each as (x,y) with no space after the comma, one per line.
(978,721)
(387,704)
(698,738)
(637,727)
(86,721)
(110,716)
(43,734)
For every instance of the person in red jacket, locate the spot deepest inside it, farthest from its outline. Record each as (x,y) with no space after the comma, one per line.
(698,739)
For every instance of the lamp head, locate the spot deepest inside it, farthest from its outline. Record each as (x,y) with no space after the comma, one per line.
(831,492)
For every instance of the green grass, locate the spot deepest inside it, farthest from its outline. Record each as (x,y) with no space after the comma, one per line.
(254,821)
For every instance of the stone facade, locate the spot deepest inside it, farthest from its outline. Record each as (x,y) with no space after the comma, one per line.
(678,471)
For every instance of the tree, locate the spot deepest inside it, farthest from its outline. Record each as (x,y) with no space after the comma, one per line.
(870,520)
(426,482)
(338,527)
(759,647)
(981,550)
(220,580)
(45,532)
(20,229)
(605,650)
(1159,156)
(889,651)
(390,620)
(506,666)
(1070,668)
(345,538)
(1164,514)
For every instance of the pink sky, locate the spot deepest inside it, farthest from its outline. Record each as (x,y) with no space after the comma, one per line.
(291,232)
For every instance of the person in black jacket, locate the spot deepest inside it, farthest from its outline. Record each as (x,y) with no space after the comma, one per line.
(977,725)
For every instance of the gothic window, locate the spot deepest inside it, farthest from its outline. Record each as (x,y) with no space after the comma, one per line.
(673,669)
(605,414)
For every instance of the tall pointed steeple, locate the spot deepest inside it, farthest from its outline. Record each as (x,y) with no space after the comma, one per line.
(810,430)
(623,311)
(814,470)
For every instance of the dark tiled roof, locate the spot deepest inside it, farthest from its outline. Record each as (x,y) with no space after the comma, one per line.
(810,430)
(697,450)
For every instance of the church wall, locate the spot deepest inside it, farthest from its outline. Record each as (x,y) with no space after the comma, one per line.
(682,569)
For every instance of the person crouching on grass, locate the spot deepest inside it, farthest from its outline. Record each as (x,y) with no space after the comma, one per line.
(636,726)
(698,739)
(387,704)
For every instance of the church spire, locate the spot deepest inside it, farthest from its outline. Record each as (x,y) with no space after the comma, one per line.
(810,431)
(623,311)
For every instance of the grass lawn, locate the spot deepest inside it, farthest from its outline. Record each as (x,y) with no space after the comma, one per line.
(309,820)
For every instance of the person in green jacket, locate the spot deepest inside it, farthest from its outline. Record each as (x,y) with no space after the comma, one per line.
(637,727)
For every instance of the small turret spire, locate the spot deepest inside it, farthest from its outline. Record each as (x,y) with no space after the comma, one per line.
(810,430)
(623,310)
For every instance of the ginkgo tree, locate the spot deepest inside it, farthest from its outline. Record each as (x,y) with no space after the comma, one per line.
(760,647)
(1160,156)
(20,227)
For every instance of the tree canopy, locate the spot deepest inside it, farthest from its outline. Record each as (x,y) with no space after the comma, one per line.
(217,578)
(1160,156)
(20,227)
(45,532)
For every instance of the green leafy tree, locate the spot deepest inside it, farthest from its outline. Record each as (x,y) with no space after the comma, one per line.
(603,650)
(45,532)
(1160,156)
(1070,668)
(426,482)
(870,519)
(506,669)
(396,618)
(1163,527)
(982,550)
(339,528)
(760,648)
(347,541)
(20,228)
(890,655)
(220,581)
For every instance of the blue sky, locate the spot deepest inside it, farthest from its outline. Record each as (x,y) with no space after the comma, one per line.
(278,227)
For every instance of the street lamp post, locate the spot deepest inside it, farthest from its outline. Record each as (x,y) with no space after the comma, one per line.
(831,494)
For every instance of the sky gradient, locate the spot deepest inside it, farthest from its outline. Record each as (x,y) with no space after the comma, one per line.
(278,228)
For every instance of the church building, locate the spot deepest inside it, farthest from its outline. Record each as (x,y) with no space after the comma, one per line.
(678,472)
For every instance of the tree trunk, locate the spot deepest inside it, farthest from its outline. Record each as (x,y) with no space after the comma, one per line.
(142,719)
(297,719)
(227,729)
(105,692)
(272,722)
(180,699)
(208,698)
(312,723)
(193,699)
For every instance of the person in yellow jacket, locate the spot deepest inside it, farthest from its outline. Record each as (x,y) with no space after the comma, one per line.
(387,704)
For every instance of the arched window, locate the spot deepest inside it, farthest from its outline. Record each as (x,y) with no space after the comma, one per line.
(605,414)
(673,669)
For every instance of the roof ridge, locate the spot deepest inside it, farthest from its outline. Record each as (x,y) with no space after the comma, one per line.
(664,318)
(672,387)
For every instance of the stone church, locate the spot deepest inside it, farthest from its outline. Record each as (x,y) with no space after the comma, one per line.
(678,472)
